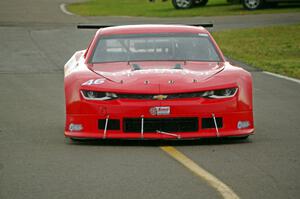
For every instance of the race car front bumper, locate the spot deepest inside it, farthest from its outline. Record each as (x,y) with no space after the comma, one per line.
(160,120)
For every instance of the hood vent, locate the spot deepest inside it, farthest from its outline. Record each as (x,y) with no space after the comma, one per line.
(177,66)
(135,67)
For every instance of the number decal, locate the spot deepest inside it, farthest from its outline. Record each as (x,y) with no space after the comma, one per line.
(93,82)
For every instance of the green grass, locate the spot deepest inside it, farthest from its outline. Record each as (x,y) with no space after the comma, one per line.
(160,9)
(274,49)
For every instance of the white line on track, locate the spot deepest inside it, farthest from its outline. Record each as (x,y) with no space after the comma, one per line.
(223,189)
(282,77)
(64,10)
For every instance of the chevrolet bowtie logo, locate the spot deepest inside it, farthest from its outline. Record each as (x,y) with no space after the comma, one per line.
(160,97)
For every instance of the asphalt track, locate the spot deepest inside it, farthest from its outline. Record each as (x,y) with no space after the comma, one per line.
(36,161)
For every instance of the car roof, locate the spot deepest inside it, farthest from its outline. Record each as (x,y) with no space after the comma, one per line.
(150,28)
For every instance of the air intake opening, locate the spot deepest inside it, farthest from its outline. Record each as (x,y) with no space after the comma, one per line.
(208,123)
(113,124)
(172,125)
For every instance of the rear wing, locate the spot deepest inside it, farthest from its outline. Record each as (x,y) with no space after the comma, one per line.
(98,26)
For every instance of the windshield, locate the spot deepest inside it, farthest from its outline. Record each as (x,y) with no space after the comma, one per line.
(155,47)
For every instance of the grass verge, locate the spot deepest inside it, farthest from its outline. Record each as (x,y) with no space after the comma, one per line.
(160,9)
(274,49)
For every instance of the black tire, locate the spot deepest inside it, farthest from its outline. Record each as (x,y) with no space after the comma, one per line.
(272,4)
(201,3)
(80,139)
(183,4)
(242,137)
(253,4)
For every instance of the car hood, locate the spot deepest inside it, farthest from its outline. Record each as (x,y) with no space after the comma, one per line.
(168,76)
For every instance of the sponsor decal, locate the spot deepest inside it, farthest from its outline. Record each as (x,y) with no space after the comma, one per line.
(243,124)
(203,35)
(156,71)
(160,110)
(75,127)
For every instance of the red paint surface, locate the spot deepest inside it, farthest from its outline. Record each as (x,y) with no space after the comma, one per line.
(119,78)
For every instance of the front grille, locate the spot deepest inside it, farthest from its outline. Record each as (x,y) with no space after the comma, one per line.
(161,124)
(135,96)
(208,123)
(168,96)
(111,125)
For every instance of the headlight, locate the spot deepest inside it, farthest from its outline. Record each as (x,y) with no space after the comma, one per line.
(222,93)
(95,95)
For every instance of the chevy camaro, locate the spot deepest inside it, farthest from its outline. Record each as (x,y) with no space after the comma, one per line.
(155,82)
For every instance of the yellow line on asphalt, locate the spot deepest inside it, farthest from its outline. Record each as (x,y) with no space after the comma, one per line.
(222,188)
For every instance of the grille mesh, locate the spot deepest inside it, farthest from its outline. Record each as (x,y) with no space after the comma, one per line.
(112,124)
(208,123)
(168,96)
(161,124)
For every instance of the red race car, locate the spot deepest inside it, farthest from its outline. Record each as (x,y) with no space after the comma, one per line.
(155,82)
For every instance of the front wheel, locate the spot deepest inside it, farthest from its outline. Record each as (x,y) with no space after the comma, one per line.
(183,4)
(81,140)
(272,4)
(244,137)
(253,4)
